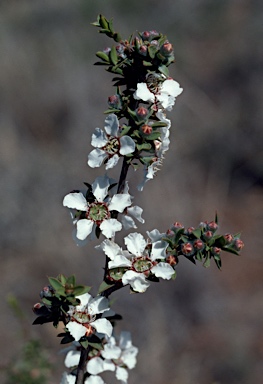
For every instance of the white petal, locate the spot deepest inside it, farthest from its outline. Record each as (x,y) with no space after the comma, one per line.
(128,222)
(84,228)
(171,87)
(72,359)
(119,261)
(136,212)
(98,304)
(111,352)
(125,340)
(166,100)
(109,227)
(122,374)
(135,243)
(103,326)
(99,138)
(84,300)
(109,365)
(159,249)
(112,125)
(100,187)
(112,162)
(143,93)
(76,330)
(94,380)
(110,248)
(68,379)
(155,235)
(96,158)
(95,366)
(127,145)
(119,202)
(129,357)
(162,117)
(163,270)
(136,280)
(75,200)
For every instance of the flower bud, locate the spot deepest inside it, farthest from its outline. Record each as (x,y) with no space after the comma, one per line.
(143,50)
(170,233)
(198,244)
(114,101)
(149,35)
(208,235)
(172,260)
(178,225)
(215,251)
(228,238)
(212,226)
(189,230)
(187,249)
(142,112)
(238,244)
(166,49)
(147,129)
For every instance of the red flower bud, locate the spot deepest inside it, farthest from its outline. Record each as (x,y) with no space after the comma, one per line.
(212,226)
(187,249)
(239,244)
(198,244)
(142,112)
(216,251)
(177,225)
(229,238)
(167,49)
(172,260)
(147,129)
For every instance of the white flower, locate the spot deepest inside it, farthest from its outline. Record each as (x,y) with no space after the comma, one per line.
(141,259)
(164,94)
(84,321)
(94,379)
(116,358)
(109,145)
(98,212)
(68,379)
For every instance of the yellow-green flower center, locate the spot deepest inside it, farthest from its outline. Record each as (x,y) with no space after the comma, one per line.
(112,147)
(98,212)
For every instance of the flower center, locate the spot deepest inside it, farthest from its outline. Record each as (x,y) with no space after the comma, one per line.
(83,317)
(142,264)
(98,212)
(116,274)
(112,147)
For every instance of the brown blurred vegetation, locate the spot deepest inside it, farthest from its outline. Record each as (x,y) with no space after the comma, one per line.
(207,326)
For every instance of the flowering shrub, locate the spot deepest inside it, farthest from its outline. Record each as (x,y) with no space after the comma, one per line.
(136,131)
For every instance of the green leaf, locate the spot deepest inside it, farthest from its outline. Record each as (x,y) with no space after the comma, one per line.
(55,283)
(143,147)
(125,130)
(206,263)
(97,346)
(71,280)
(147,63)
(104,286)
(152,51)
(153,136)
(174,275)
(197,232)
(159,124)
(103,22)
(163,69)
(113,56)
(103,56)
(46,301)
(84,343)
(80,290)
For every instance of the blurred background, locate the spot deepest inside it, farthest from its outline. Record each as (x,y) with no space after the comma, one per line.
(206,327)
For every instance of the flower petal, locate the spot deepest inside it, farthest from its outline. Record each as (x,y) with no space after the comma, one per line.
(122,374)
(76,330)
(135,243)
(119,202)
(112,161)
(103,326)
(109,365)
(143,93)
(95,365)
(94,380)
(100,187)
(98,304)
(110,248)
(171,87)
(163,270)
(136,280)
(111,351)
(84,300)
(72,359)
(84,228)
(155,235)
(68,379)
(127,145)
(136,212)
(75,200)
(99,138)
(159,250)
(129,356)
(96,158)
(128,222)
(112,125)
(109,227)
(119,261)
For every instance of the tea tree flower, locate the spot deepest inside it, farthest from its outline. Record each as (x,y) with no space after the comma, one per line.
(164,94)
(110,145)
(83,317)
(118,358)
(142,260)
(98,211)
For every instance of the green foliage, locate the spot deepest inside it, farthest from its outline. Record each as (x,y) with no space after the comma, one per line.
(32,367)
